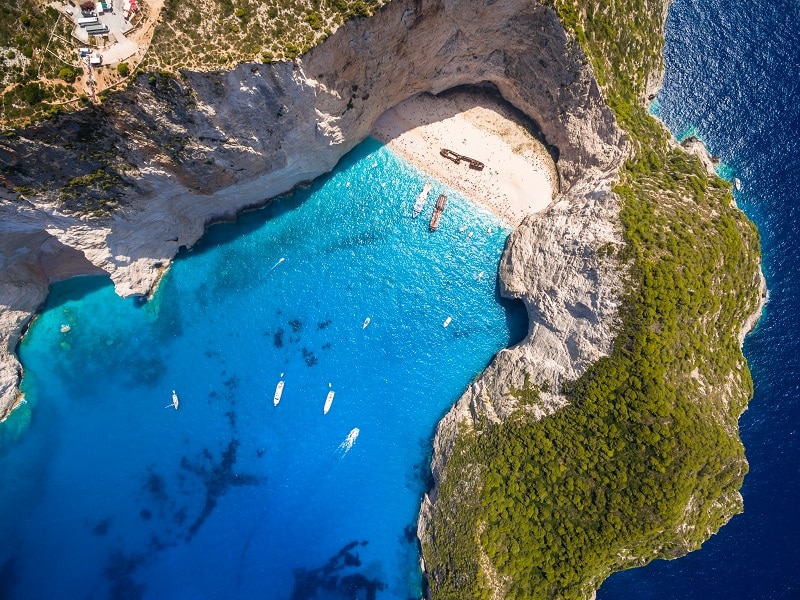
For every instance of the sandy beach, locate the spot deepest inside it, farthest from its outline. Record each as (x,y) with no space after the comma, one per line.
(519,176)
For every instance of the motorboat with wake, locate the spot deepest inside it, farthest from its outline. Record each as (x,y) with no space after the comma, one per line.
(349,440)
(175,401)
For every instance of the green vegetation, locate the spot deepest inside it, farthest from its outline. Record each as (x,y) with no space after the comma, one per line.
(123,69)
(221,33)
(37,69)
(93,195)
(646,460)
(68,74)
(39,66)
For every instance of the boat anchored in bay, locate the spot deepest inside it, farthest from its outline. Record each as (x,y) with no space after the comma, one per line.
(175,401)
(278,392)
(421,199)
(441,202)
(328,401)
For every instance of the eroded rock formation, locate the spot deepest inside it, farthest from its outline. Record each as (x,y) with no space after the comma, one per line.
(184,152)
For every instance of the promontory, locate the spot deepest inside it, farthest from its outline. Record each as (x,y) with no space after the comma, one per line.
(609,436)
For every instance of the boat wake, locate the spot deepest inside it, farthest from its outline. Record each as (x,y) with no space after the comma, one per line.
(348,442)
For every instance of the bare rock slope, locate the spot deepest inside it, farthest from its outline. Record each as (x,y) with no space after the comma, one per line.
(180,153)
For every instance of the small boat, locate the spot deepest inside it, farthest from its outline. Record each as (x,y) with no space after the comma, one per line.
(441,202)
(366,322)
(328,402)
(422,199)
(278,391)
(65,328)
(447,321)
(352,436)
(280,260)
(462,229)
(175,401)
(737,183)
(348,442)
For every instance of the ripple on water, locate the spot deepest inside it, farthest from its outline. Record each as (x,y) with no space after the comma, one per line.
(125,498)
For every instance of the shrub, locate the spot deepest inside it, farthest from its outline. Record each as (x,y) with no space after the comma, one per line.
(33,93)
(314,21)
(68,74)
(123,69)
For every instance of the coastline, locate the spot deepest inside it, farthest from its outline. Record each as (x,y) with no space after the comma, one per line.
(519,177)
(695,146)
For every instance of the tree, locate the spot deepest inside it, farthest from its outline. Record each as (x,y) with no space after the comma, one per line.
(123,69)
(33,93)
(68,74)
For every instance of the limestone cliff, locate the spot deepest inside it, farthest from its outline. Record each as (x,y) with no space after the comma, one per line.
(121,187)
(176,154)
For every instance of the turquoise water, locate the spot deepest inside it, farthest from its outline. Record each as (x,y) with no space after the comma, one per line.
(108,494)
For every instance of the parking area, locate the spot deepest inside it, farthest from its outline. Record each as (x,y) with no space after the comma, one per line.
(114,44)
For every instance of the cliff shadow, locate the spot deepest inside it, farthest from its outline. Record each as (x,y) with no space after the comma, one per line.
(458,100)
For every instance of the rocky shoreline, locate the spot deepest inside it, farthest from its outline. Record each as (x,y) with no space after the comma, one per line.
(189,151)
(203,147)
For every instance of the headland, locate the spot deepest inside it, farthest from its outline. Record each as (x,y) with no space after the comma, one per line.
(627,325)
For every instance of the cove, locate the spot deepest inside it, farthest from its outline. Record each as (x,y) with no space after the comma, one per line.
(108,492)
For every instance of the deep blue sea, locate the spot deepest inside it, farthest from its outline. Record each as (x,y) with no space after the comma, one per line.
(108,492)
(733,79)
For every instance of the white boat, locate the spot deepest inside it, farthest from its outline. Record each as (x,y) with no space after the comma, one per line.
(328,402)
(738,183)
(366,322)
(278,391)
(175,401)
(462,229)
(65,328)
(349,440)
(280,260)
(352,437)
(447,321)
(422,199)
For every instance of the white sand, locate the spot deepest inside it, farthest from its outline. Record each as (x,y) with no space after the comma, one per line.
(519,177)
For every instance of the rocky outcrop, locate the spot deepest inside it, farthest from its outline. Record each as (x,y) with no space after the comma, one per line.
(561,264)
(184,152)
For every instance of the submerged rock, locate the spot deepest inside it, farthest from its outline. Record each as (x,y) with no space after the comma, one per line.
(255,132)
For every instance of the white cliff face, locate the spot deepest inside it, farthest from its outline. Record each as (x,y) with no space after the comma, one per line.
(206,146)
(562,265)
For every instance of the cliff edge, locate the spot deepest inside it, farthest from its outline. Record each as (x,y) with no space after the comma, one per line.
(121,187)
(637,280)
